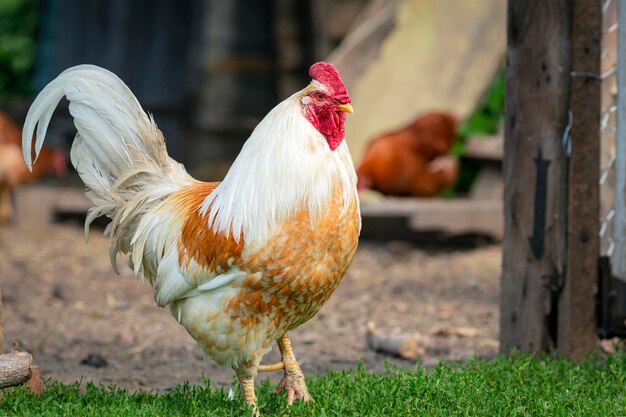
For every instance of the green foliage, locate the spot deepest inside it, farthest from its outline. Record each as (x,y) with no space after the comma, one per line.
(521,385)
(483,121)
(18,25)
(486,118)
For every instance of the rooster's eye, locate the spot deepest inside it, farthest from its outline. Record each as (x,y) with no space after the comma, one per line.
(320,96)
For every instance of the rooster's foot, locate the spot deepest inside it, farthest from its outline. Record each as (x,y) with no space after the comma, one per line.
(293,383)
(293,379)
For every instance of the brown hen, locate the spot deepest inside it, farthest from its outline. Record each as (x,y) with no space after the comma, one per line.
(413,161)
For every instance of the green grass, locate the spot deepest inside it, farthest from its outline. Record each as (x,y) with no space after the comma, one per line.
(520,385)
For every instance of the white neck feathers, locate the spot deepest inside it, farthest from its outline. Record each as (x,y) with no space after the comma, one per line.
(285,166)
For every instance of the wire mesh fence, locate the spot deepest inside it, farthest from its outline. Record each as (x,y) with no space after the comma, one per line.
(610,233)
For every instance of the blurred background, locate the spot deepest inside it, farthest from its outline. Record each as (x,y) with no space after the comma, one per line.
(426,71)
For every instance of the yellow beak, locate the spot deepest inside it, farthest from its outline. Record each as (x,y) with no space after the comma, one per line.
(346,108)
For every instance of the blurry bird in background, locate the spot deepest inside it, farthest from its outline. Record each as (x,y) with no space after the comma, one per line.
(413,161)
(241,262)
(14,173)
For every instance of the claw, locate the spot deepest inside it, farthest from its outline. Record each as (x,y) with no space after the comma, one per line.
(293,379)
(293,383)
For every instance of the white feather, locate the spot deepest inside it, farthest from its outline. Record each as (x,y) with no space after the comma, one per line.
(227,278)
(284,166)
(118,151)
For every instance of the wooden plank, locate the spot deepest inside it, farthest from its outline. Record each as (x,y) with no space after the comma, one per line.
(488,185)
(450,217)
(365,38)
(341,17)
(576,324)
(490,148)
(423,65)
(386,218)
(534,245)
(459,217)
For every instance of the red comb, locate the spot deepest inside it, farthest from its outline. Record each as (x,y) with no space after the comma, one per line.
(328,75)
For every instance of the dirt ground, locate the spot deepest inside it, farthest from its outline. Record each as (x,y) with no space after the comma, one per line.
(63,302)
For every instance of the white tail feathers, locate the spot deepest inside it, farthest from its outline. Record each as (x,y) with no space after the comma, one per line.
(118,151)
(104,110)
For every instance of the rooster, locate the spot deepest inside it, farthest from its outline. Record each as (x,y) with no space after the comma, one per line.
(13,172)
(241,262)
(412,161)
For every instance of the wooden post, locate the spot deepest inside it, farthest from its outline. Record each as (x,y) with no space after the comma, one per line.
(534,165)
(549,260)
(577,325)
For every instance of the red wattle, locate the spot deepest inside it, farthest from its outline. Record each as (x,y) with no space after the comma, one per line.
(330,124)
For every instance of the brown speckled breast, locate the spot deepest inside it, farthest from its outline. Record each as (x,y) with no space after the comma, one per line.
(295,273)
(287,279)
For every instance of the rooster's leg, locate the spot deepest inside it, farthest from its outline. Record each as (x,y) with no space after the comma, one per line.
(293,379)
(246,375)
